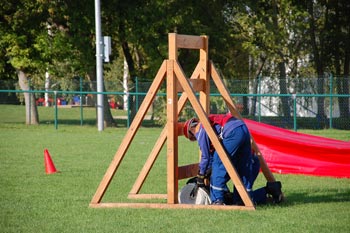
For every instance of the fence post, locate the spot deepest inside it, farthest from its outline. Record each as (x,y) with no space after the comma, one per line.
(331,101)
(294,97)
(30,102)
(81,101)
(55,99)
(128,111)
(137,91)
(259,98)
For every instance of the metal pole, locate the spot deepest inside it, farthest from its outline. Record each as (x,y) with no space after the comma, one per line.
(294,97)
(81,101)
(259,98)
(55,99)
(129,115)
(137,93)
(99,67)
(331,102)
(30,102)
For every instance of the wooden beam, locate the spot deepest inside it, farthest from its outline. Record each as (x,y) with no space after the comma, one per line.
(187,171)
(149,163)
(197,85)
(204,94)
(172,46)
(170,206)
(160,142)
(190,42)
(172,141)
(226,96)
(147,196)
(212,135)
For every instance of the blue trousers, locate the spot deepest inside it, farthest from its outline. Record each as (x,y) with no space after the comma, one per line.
(236,142)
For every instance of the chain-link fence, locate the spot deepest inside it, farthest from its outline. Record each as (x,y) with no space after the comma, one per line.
(289,103)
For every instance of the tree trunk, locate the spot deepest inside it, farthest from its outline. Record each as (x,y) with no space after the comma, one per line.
(108,118)
(256,83)
(283,90)
(32,116)
(343,83)
(344,107)
(281,65)
(131,66)
(318,63)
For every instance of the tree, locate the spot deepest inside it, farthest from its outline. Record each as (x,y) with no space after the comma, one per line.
(48,35)
(270,32)
(21,23)
(338,38)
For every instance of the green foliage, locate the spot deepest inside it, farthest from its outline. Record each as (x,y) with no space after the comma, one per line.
(59,37)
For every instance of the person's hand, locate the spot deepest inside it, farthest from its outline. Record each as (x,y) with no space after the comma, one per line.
(208,173)
(200,180)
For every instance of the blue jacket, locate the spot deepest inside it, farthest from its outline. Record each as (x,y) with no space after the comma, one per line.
(206,146)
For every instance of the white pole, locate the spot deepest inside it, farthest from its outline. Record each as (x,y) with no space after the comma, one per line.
(99,67)
(47,74)
(47,87)
(125,85)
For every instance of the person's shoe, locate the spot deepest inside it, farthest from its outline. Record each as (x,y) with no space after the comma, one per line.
(275,190)
(218,202)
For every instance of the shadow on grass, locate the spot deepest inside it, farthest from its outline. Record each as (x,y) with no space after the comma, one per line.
(320,196)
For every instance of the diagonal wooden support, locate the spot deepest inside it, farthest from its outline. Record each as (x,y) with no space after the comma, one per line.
(212,135)
(118,157)
(226,96)
(156,149)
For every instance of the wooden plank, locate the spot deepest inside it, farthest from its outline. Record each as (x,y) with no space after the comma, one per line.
(224,91)
(149,163)
(190,42)
(170,206)
(187,171)
(226,96)
(213,137)
(172,141)
(204,94)
(147,196)
(196,84)
(118,157)
(172,46)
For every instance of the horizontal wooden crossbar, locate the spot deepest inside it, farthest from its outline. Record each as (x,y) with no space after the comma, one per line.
(190,42)
(170,206)
(147,196)
(196,84)
(188,171)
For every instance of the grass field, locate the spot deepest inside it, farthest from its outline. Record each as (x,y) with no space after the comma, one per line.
(32,201)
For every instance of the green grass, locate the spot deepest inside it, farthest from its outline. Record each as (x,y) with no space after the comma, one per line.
(32,201)
(343,135)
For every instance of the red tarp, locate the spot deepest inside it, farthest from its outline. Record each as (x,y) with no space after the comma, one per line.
(286,151)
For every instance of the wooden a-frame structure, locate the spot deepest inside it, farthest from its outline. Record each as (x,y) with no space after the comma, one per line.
(177,82)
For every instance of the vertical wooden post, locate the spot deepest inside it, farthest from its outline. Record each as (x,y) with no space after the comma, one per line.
(204,74)
(172,141)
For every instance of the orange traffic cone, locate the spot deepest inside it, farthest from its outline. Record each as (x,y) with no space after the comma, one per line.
(49,166)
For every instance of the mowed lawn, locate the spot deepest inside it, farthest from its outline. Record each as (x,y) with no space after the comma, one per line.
(33,201)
